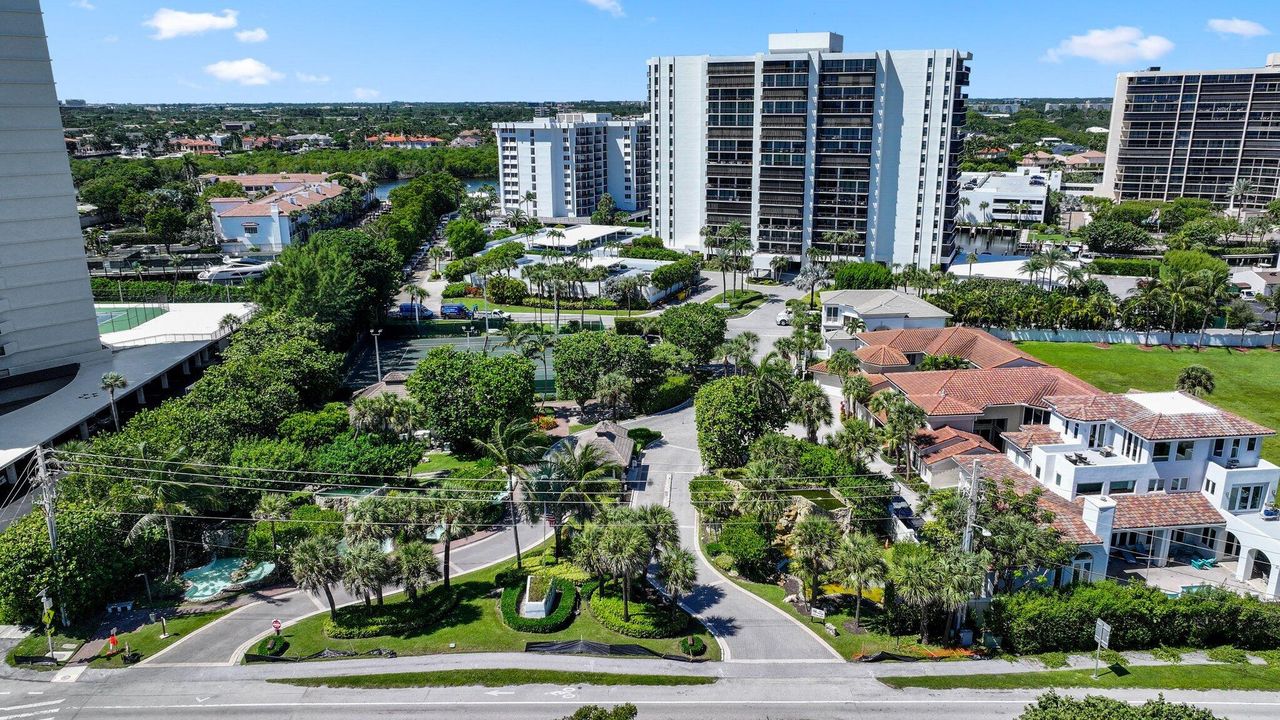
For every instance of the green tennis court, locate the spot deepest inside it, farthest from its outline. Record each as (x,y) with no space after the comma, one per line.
(114,318)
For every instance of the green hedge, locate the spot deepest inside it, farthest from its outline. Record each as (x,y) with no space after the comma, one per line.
(693,646)
(110,290)
(674,390)
(1142,617)
(651,253)
(647,620)
(272,646)
(559,618)
(629,325)
(401,618)
(459,289)
(1131,267)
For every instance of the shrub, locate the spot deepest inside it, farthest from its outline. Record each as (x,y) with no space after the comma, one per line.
(1053,660)
(744,542)
(401,618)
(628,326)
(559,618)
(511,577)
(863,276)
(271,646)
(673,390)
(643,436)
(1113,658)
(644,253)
(507,291)
(647,620)
(1167,654)
(693,646)
(683,273)
(1132,267)
(1228,654)
(459,289)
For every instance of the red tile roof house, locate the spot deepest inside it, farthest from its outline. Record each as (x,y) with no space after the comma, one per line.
(1155,479)
(936,452)
(414,142)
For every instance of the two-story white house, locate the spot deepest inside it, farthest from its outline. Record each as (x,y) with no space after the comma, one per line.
(845,313)
(1155,477)
(274,221)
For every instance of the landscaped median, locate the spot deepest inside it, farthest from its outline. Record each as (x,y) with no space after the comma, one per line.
(491,678)
(470,618)
(1163,677)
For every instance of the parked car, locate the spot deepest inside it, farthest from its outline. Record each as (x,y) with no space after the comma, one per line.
(455,311)
(784,317)
(492,315)
(416,310)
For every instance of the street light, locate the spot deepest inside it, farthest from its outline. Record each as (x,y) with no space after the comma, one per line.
(148,582)
(377,356)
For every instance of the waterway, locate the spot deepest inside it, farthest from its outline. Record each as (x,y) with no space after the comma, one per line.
(385,187)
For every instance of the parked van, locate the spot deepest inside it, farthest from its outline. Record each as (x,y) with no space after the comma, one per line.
(455,311)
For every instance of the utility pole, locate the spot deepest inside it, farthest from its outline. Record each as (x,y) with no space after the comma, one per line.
(48,493)
(966,545)
(377,356)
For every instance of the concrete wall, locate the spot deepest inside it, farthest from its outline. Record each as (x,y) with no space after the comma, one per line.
(1214,338)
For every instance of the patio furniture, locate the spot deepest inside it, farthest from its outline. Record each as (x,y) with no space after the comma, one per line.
(1128,557)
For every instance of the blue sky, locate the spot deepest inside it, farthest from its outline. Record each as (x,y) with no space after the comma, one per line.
(441,50)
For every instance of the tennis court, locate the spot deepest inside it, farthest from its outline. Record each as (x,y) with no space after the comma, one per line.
(114,318)
(405,354)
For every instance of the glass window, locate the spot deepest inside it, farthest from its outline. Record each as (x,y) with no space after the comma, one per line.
(1037,472)
(1161,452)
(1057,479)
(1092,488)
(1179,483)
(1218,446)
(1155,485)
(1246,497)
(1253,444)
(1185,448)
(1119,487)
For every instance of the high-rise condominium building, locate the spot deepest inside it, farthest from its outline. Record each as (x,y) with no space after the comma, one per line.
(1196,133)
(806,144)
(570,161)
(46,310)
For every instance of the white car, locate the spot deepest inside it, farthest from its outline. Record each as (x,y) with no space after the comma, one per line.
(492,315)
(784,317)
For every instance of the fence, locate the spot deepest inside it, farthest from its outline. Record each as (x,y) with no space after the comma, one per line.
(1210,338)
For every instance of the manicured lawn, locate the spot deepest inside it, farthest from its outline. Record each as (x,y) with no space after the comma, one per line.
(437,462)
(37,644)
(475,625)
(492,678)
(1247,383)
(1049,237)
(1164,677)
(147,640)
(741,301)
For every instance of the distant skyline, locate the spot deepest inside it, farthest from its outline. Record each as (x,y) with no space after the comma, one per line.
(492,50)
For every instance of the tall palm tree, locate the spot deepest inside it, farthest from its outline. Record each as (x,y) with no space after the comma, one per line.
(1239,189)
(1271,303)
(982,207)
(678,572)
(417,295)
(626,550)
(963,576)
(713,239)
(316,567)
(449,507)
(856,441)
(777,264)
(813,275)
(813,543)
(810,407)
(1055,258)
(759,492)
(273,507)
(111,382)
(1033,266)
(1178,291)
(902,419)
(660,525)
(843,363)
(164,490)
(417,567)
(511,446)
(856,390)
(585,478)
(918,579)
(613,389)
(860,561)
(365,570)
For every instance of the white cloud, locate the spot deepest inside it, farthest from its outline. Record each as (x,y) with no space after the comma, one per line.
(1236,26)
(363,93)
(111,39)
(613,7)
(309,78)
(1111,45)
(255,35)
(84,5)
(176,23)
(246,72)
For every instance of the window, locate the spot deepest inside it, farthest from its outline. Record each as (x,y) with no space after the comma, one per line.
(1121,487)
(1091,488)
(1160,453)
(1179,483)
(1253,444)
(1185,448)
(1246,497)
(1057,479)
(1211,486)
(251,228)
(1155,485)
(1218,446)
(833,313)
(1037,472)
(1034,416)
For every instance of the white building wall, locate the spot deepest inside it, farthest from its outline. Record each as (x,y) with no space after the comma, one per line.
(46,309)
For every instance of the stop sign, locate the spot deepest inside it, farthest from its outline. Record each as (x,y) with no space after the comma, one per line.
(275,625)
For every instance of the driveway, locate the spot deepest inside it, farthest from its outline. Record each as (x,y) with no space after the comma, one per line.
(748,628)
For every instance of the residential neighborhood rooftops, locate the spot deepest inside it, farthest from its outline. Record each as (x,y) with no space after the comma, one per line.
(1157,416)
(981,348)
(882,355)
(969,392)
(1032,435)
(1153,510)
(264,179)
(612,440)
(945,443)
(883,303)
(288,202)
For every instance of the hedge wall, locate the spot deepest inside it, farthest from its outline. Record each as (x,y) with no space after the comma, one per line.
(111,290)
(559,618)
(360,621)
(647,620)
(1131,267)
(674,390)
(1141,617)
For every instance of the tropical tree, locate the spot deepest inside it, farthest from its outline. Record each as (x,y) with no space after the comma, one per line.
(613,389)
(317,566)
(626,550)
(511,446)
(810,407)
(111,382)
(856,441)
(164,488)
(1271,303)
(448,507)
(856,390)
(860,562)
(902,419)
(677,572)
(1239,189)
(811,276)
(813,544)
(417,567)
(365,570)
(1196,380)
(843,363)
(918,579)
(273,507)
(417,294)
(584,482)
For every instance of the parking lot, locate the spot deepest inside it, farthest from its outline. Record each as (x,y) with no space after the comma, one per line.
(404,354)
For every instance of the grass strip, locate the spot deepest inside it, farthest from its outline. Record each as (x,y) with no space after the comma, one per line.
(490,678)
(1162,677)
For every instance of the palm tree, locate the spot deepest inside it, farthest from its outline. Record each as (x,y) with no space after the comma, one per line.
(856,441)
(1271,303)
(758,492)
(860,562)
(365,570)
(964,207)
(962,576)
(111,382)
(678,573)
(418,567)
(1033,266)
(529,197)
(164,489)
(813,543)
(613,389)
(417,294)
(777,264)
(1055,258)
(902,419)
(660,525)
(1239,189)
(1215,291)
(737,243)
(982,207)
(273,507)
(316,567)
(740,349)
(511,447)
(813,275)
(626,551)
(856,390)
(449,508)
(1178,291)
(810,407)
(585,478)
(917,578)
(1196,380)
(843,363)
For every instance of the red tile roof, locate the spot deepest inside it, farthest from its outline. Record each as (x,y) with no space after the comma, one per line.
(934,446)
(1067,518)
(289,202)
(981,348)
(970,392)
(1152,425)
(1030,436)
(881,355)
(1156,510)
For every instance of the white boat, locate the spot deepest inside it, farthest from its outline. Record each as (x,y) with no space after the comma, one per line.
(234,271)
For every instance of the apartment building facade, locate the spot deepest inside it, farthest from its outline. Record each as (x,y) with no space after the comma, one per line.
(1195,134)
(570,161)
(806,143)
(47,318)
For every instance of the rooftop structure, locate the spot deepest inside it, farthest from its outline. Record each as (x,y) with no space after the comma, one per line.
(878,310)
(980,348)
(271,222)
(1020,195)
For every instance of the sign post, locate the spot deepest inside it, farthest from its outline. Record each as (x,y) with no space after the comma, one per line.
(48,627)
(816,614)
(1101,634)
(275,625)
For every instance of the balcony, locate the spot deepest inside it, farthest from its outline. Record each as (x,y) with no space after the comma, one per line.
(1222,472)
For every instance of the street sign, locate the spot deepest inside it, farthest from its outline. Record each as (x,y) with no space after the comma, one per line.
(275,625)
(817,614)
(1102,633)
(48,616)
